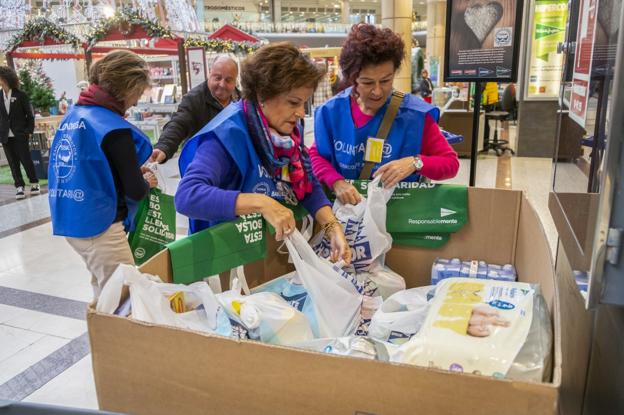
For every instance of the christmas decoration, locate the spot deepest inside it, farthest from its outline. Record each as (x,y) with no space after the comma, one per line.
(37,85)
(223,46)
(13,13)
(41,29)
(181,16)
(123,21)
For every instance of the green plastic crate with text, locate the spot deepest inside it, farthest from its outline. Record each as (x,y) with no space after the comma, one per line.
(218,249)
(425,208)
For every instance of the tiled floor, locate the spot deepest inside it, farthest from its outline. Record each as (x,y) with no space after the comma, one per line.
(44,289)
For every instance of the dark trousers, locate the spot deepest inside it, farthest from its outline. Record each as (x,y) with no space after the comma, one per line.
(17,151)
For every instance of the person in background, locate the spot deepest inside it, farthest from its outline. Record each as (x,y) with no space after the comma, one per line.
(198,107)
(414,147)
(63,104)
(489,100)
(17,123)
(95,173)
(251,157)
(426,86)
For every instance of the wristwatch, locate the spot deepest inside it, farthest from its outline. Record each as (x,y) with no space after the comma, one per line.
(417,162)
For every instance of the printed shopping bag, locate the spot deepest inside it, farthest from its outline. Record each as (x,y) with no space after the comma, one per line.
(218,249)
(155,226)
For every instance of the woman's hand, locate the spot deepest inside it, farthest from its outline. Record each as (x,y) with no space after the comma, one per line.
(339,246)
(393,172)
(149,177)
(346,192)
(280,217)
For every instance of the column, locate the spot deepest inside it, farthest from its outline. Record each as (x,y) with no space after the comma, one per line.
(199,10)
(436,27)
(397,15)
(276,11)
(346,11)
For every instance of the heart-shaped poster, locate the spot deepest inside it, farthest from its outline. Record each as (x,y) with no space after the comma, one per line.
(609,15)
(481,18)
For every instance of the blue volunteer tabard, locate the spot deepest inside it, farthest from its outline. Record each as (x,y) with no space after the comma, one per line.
(82,194)
(230,128)
(339,141)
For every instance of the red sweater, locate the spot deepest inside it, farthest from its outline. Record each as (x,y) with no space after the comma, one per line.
(439,159)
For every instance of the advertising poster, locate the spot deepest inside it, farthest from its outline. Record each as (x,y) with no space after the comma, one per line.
(482,40)
(545,64)
(583,61)
(196,58)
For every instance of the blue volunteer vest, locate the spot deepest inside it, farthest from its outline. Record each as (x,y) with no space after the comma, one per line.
(339,141)
(81,190)
(230,128)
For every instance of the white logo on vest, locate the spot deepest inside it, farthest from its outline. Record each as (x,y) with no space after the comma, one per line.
(64,159)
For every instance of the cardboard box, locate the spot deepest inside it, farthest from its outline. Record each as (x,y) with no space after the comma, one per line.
(141,368)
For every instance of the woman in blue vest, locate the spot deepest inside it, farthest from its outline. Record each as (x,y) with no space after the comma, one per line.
(251,155)
(349,123)
(95,173)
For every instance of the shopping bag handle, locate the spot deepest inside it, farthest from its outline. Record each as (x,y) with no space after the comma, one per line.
(238,281)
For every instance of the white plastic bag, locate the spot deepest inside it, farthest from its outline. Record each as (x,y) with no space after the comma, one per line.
(149,301)
(364,225)
(401,316)
(337,303)
(265,316)
(381,282)
(353,346)
(473,326)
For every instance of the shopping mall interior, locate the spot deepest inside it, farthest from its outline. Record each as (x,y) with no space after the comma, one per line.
(528,95)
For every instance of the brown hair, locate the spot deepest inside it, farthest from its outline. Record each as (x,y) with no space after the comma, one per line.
(366,45)
(276,69)
(10,77)
(121,73)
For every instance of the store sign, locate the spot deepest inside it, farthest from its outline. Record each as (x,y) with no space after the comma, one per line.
(482,40)
(585,40)
(545,64)
(196,58)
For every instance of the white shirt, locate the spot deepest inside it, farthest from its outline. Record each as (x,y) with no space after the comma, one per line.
(7,105)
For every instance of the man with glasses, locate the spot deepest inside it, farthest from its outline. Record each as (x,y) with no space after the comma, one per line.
(200,105)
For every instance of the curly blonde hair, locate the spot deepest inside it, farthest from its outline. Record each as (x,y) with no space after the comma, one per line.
(121,73)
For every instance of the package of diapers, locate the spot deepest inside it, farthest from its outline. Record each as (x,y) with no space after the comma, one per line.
(473,326)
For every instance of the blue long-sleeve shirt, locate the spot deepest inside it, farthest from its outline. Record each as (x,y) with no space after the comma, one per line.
(212,182)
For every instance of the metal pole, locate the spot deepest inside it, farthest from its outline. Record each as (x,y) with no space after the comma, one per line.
(475,133)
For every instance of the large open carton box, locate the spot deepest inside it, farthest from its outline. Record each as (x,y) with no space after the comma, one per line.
(142,368)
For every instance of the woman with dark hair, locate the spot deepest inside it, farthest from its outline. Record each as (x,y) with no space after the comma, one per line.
(371,130)
(251,155)
(95,175)
(17,123)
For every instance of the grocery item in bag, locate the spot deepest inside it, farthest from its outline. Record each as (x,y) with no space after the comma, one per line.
(401,316)
(353,346)
(149,301)
(473,326)
(266,317)
(291,289)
